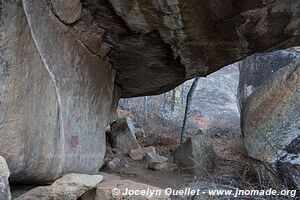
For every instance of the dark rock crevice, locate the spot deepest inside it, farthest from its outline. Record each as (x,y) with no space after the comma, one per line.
(294,146)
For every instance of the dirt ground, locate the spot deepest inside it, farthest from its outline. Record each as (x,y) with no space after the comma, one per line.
(229,159)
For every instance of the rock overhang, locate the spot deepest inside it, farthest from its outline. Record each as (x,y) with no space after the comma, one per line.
(156,45)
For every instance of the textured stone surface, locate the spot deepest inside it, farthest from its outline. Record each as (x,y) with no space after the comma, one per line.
(56,98)
(195,156)
(68,11)
(153,157)
(69,187)
(114,164)
(258,68)
(4,184)
(270,115)
(139,154)
(105,189)
(123,134)
(29,110)
(84,85)
(162,166)
(271,118)
(169,41)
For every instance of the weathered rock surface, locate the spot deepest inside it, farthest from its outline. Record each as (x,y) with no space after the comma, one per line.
(271,118)
(123,134)
(153,157)
(195,156)
(69,187)
(114,164)
(107,190)
(139,154)
(162,166)
(170,41)
(68,11)
(56,96)
(29,108)
(4,184)
(258,68)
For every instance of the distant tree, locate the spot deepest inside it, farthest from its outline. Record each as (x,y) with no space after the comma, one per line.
(187,111)
(173,100)
(145,109)
(165,99)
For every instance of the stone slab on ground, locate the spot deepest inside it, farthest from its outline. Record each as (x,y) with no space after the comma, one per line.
(112,187)
(69,187)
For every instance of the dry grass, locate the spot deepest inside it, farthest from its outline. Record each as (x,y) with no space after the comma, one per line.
(243,181)
(164,143)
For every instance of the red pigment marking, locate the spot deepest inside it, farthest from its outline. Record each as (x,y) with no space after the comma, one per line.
(74,141)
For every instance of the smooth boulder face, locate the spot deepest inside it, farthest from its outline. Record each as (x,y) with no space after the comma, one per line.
(69,187)
(4,184)
(123,134)
(256,69)
(57,96)
(29,110)
(195,156)
(271,118)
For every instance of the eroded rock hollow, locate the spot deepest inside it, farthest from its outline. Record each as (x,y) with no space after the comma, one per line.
(65,64)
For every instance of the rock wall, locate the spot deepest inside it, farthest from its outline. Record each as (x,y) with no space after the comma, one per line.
(271,118)
(29,115)
(268,94)
(256,69)
(56,96)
